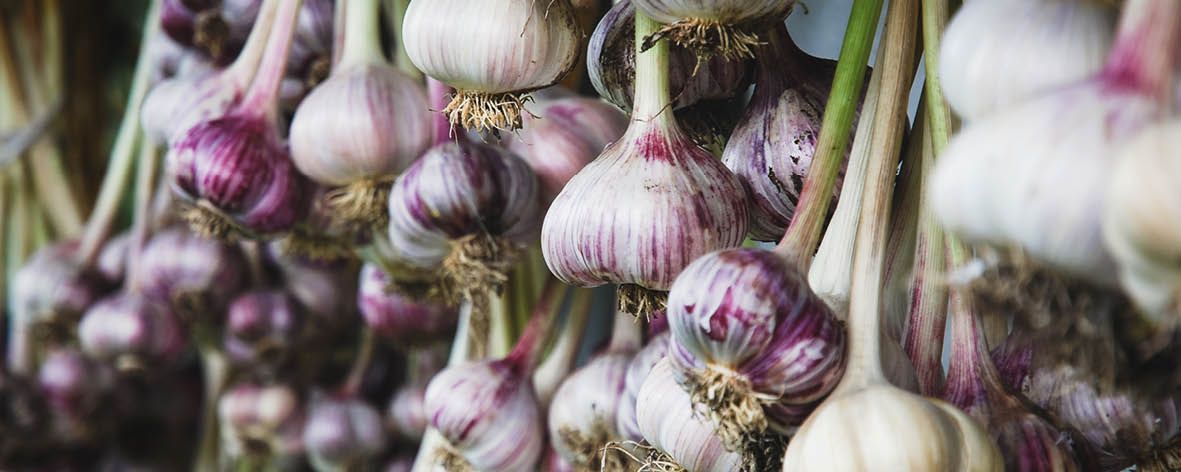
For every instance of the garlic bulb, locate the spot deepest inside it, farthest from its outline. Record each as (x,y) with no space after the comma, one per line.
(488,413)
(131,331)
(324,289)
(262,328)
(235,172)
(772,147)
(997,54)
(112,261)
(611,65)
(646,207)
(728,28)
(562,136)
(367,122)
(637,370)
(668,422)
(1141,223)
(457,215)
(751,343)
(194,275)
(492,51)
(254,416)
(343,434)
(401,320)
(1000,181)
(406,413)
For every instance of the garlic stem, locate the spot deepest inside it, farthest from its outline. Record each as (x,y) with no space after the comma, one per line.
(528,349)
(1146,48)
(971,371)
(145,185)
(362,34)
(500,325)
(803,234)
(5,198)
(560,361)
(927,316)
(935,18)
(364,357)
(214,370)
(395,11)
(864,362)
(246,64)
(263,95)
(106,207)
(625,333)
(653,102)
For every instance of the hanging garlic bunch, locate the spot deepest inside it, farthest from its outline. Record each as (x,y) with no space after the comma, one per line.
(562,136)
(646,207)
(771,150)
(729,28)
(492,52)
(234,173)
(669,423)
(362,126)
(488,411)
(582,416)
(611,65)
(1034,176)
(1142,222)
(997,54)
(175,105)
(866,422)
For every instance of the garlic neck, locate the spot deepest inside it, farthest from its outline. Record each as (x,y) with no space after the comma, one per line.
(246,65)
(362,34)
(263,95)
(1146,48)
(653,101)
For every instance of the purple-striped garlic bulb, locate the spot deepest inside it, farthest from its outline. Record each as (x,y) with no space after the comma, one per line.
(194,275)
(132,331)
(669,423)
(729,28)
(177,104)
(458,214)
(74,388)
(751,343)
(637,370)
(52,289)
(562,136)
(214,27)
(325,289)
(611,65)
(343,434)
(487,411)
(402,321)
(261,421)
(235,172)
(262,327)
(583,412)
(362,126)
(771,149)
(648,206)
(492,52)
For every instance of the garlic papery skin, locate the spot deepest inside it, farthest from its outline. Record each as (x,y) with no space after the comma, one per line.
(751,343)
(175,105)
(669,423)
(1000,181)
(489,414)
(583,412)
(491,52)
(648,206)
(398,319)
(637,370)
(193,275)
(771,149)
(364,124)
(343,434)
(235,172)
(562,136)
(611,66)
(132,332)
(997,54)
(724,27)
(1142,222)
(459,213)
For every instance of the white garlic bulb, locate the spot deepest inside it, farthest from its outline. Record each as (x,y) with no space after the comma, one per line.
(1142,221)
(582,415)
(998,53)
(668,422)
(1034,176)
(492,51)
